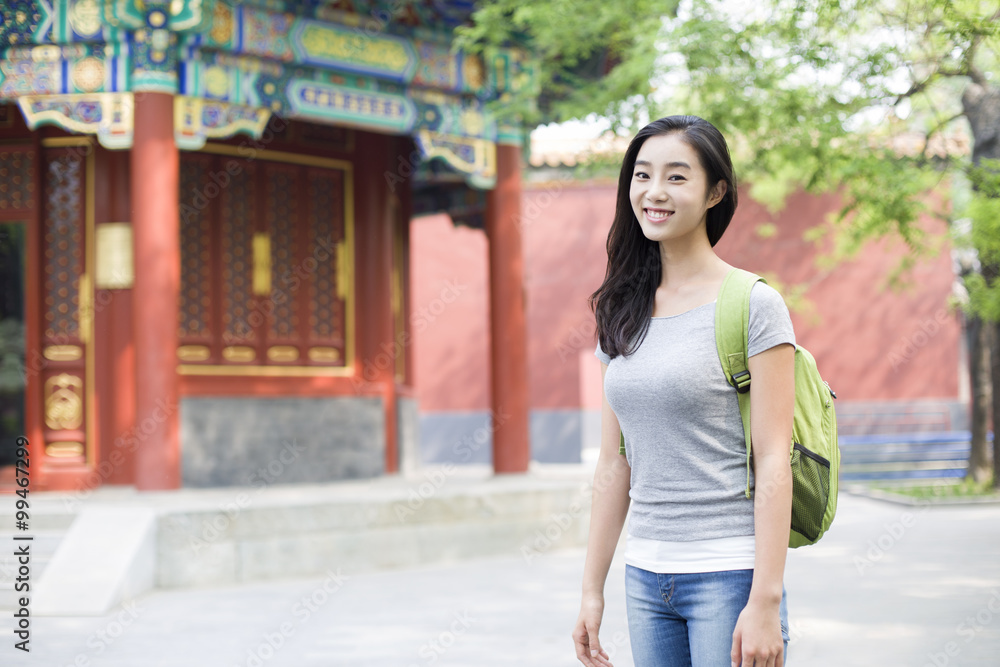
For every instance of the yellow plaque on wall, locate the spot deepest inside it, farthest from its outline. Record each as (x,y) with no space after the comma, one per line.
(239,353)
(63,352)
(261,264)
(61,450)
(115,268)
(193,353)
(324,354)
(283,353)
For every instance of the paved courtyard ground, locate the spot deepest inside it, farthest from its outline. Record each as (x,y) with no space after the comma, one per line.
(889,586)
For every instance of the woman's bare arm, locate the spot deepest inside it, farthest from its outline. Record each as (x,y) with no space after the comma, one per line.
(772,406)
(609,507)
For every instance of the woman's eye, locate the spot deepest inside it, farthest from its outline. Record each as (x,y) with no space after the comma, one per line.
(641,174)
(675,177)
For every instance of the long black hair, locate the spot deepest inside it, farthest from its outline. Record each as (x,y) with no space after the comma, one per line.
(623,304)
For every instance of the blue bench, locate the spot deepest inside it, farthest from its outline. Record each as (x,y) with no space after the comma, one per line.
(904,456)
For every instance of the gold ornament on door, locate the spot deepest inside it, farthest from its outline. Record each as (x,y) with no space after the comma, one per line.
(64,402)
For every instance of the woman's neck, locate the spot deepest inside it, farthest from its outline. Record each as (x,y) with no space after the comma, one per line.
(692,264)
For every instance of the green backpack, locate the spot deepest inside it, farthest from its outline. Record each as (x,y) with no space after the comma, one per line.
(815,457)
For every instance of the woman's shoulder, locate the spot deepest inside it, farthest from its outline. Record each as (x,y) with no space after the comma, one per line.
(767,305)
(761,292)
(769,316)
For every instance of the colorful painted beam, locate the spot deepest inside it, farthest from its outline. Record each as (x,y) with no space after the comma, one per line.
(364,47)
(332,97)
(110,116)
(75,68)
(370,44)
(74,59)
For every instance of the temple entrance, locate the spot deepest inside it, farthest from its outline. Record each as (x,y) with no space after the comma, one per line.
(12,349)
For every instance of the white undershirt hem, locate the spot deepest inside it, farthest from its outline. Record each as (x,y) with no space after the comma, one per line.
(724,553)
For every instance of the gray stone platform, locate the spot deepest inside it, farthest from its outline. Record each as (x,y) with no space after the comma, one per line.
(199,537)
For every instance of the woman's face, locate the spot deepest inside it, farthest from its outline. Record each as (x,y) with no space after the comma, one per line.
(670,191)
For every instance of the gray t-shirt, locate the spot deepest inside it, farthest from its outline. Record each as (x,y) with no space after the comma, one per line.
(681,421)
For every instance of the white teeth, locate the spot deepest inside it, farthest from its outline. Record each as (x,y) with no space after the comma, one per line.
(656,215)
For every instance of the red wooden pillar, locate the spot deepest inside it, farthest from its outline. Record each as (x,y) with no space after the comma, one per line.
(385,236)
(508,347)
(373,266)
(155,173)
(113,335)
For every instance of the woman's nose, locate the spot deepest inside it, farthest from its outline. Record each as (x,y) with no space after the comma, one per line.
(657,191)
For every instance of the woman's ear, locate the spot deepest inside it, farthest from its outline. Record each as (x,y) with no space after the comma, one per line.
(718,192)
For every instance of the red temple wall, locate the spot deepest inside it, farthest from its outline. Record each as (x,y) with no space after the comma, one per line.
(871,343)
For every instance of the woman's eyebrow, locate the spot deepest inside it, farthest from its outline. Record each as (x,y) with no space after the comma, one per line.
(672,165)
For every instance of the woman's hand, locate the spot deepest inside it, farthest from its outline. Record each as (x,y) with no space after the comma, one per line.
(757,640)
(588,647)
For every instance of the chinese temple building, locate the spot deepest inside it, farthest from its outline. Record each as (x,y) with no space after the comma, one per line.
(204,214)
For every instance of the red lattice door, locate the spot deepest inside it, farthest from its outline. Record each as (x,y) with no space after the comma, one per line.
(265,267)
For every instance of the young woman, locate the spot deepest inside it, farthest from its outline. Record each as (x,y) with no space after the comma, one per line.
(703,564)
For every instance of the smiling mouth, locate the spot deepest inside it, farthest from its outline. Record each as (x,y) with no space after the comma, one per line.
(657,214)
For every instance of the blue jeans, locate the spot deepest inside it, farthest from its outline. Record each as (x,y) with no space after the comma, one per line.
(687,620)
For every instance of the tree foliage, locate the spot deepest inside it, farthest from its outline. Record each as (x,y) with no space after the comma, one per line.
(591,56)
(871,98)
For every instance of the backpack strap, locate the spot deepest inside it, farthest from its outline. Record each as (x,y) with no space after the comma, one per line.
(732,333)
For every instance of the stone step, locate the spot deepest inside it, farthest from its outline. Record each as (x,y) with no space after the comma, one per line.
(43,547)
(50,516)
(44,515)
(402,524)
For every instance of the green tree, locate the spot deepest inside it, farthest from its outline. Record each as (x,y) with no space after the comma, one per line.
(879,100)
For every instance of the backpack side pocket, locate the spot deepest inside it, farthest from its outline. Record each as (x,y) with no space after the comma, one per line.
(810,491)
